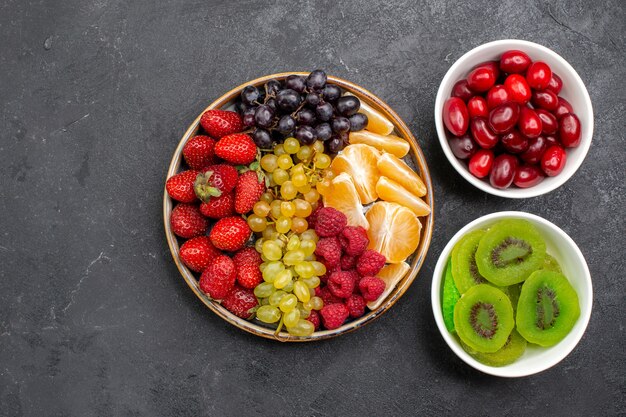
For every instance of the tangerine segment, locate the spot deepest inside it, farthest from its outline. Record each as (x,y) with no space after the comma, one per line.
(394,231)
(342,195)
(396,169)
(390,143)
(376,122)
(360,162)
(391,274)
(389,190)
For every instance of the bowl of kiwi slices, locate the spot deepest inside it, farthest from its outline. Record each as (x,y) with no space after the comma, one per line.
(511,294)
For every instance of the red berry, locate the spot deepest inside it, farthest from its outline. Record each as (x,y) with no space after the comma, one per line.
(218,279)
(348,262)
(482,133)
(370,263)
(504,117)
(187,221)
(463,147)
(455,116)
(219,123)
(180,186)
(545,99)
(334,315)
(241,302)
(569,130)
(549,124)
(219,207)
(248,191)
(356,306)
(341,284)
(529,123)
(356,239)
(329,248)
(493,66)
(461,90)
(312,219)
(480,163)
(218,179)
(327,297)
(238,148)
(329,222)
(514,142)
(518,88)
(528,176)
(314,317)
(198,152)
(514,62)
(538,75)
(198,252)
(563,108)
(481,79)
(497,95)
(553,160)
(477,107)
(503,171)
(230,233)
(247,262)
(536,147)
(556,84)
(371,288)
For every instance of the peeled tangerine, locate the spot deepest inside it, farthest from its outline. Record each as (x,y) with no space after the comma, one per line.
(394,231)
(360,162)
(389,143)
(376,122)
(391,274)
(342,195)
(390,190)
(396,169)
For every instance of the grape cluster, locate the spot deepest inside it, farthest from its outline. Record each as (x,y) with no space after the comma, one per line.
(307,108)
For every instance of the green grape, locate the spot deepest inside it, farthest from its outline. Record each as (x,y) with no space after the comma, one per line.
(270,232)
(304,188)
(299,180)
(304,153)
(322,161)
(293,243)
(288,190)
(289,286)
(291,318)
(284,161)
(318,146)
(301,291)
(275,209)
(291,145)
(256,223)
(271,250)
(288,303)
(299,225)
(315,303)
(281,244)
(268,162)
(308,247)
(309,235)
(280,176)
(311,196)
(263,266)
(272,270)
(303,328)
(267,197)
(304,312)
(268,314)
(279,150)
(320,268)
(276,296)
(264,290)
(297,169)
(305,269)
(261,208)
(303,208)
(292,257)
(258,244)
(287,208)
(264,258)
(283,224)
(264,301)
(282,279)
(312,282)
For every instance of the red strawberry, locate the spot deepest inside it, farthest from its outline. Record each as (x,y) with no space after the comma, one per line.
(247,262)
(248,191)
(237,149)
(219,123)
(219,207)
(198,252)
(241,302)
(216,180)
(218,279)
(230,233)
(198,152)
(180,186)
(187,221)
(334,315)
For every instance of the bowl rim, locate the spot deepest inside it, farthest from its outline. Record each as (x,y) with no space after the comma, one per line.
(480,183)
(418,257)
(437,282)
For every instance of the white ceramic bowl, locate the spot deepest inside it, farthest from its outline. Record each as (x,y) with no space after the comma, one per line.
(565,251)
(573,91)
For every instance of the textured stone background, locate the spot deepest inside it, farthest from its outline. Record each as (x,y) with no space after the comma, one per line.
(96,320)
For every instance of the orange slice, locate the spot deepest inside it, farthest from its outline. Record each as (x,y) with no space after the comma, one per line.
(391,274)
(343,196)
(394,231)
(390,143)
(376,122)
(389,190)
(360,162)
(396,169)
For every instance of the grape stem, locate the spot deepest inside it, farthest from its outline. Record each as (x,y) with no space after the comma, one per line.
(280,325)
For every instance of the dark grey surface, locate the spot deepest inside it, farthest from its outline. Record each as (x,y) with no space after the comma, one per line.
(96,320)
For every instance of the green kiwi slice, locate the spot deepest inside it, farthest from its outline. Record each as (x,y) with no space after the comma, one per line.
(483,318)
(513,292)
(510,251)
(464,269)
(512,350)
(547,308)
(551,264)
(449,297)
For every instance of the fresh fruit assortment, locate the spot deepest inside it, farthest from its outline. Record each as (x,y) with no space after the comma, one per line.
(508,122)
(501,291)
(298,209)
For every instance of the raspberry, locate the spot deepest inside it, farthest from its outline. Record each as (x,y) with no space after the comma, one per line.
(348,262)
(327,297)
(371,288)
(370,263)
(356,306)
(330,222)
(334,315)
(341,284)
(356,240)
(329,248)
(312,219)
(314,318)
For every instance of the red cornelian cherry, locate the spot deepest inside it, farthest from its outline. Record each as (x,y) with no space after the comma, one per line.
(549,124)
(553,160)
(482,133)
(477,107)
(455,116)
(529,123)
(527,176)
(481,79)
(514,62)
(536,148)
(480,163)
(563,108)
(461,90)
(463,147)
(503,171)
(497,95)
(569,130)
(544,99)
(514,142)
(556,84)
(493,66)
(551,140)
(504,117)
(538,75)
(518,88)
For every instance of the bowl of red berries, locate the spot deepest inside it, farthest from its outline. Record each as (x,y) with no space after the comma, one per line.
(514,118)
(298,207)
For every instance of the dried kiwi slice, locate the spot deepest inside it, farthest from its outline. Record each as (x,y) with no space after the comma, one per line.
(509,252)
(483,318)
(464,269)
(512,350)
(547,308)
(551,264)
(449,297)
(513,292)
